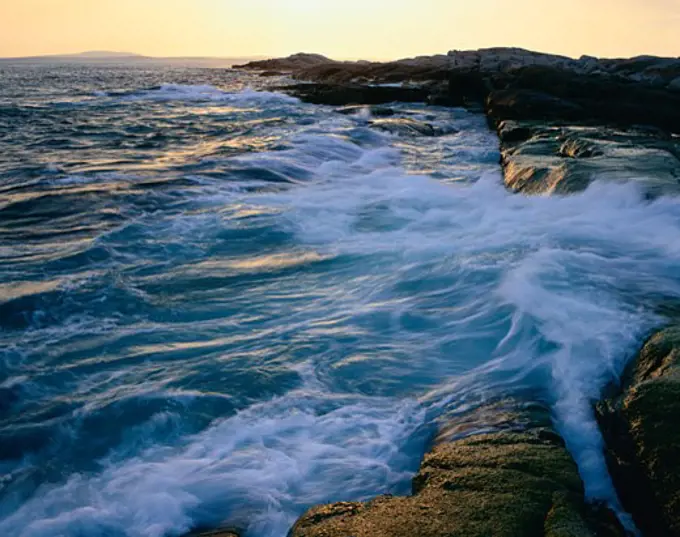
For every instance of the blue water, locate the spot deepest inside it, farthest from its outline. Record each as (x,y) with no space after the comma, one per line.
(221,305)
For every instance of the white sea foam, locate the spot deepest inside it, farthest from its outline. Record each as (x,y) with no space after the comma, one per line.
(258,470)
(553,294)
(576,272)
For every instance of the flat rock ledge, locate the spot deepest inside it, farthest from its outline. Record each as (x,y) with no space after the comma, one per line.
(641,425)
(518,480)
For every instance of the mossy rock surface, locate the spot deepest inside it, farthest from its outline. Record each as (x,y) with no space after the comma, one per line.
(516,481)
(642,429)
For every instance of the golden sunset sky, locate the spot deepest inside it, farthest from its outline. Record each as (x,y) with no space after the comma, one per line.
(338,28)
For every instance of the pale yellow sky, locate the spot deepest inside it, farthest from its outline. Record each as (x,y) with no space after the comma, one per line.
(338,28)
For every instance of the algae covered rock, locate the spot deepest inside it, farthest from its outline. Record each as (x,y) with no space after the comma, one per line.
(517,480)
(642,429)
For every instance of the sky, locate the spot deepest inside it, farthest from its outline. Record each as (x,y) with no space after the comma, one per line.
(342,29)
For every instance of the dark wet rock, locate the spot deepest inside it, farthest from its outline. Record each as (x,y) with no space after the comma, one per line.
(544,157)
(641,426)
(674,85)
(579,148)
(405,127)
(531,104)
(513,131)
(272,73)
(515,480)
(545,93)
(340,94)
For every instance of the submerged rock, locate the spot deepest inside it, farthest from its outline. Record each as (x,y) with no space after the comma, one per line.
(516,480)
(405,127)
(642,429)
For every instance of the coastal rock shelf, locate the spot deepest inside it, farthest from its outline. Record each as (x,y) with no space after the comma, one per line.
(544,158)
(562,122)
(642,428)
(518,480)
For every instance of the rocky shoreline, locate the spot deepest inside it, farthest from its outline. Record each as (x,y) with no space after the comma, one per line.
(561,123)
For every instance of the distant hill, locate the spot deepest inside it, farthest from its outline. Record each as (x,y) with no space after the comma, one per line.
(99,54)
(102,57)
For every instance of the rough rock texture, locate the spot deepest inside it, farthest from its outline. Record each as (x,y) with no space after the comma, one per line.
(642,430)
(516,480)
(547,93)
(544,158)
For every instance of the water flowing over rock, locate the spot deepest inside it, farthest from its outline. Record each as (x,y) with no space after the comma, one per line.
(516,480)
(642,429)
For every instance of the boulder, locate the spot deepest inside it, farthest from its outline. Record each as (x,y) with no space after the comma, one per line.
(641,425)
(515,480)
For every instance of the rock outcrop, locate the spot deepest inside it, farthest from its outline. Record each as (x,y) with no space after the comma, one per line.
(650,70)
(642,428)
(292,63)
(516,480)
(540,157)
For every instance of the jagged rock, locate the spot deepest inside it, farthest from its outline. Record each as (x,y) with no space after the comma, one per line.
(674,84)
(641,426)
(518,480)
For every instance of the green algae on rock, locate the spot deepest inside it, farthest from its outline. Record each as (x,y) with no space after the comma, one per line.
(518,480)
(642,430)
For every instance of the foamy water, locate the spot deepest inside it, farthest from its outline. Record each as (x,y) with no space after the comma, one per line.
(260,305)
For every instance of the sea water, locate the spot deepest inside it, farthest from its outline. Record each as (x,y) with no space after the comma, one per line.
(221,305)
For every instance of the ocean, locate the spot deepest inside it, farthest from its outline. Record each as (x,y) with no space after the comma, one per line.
(221,305)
